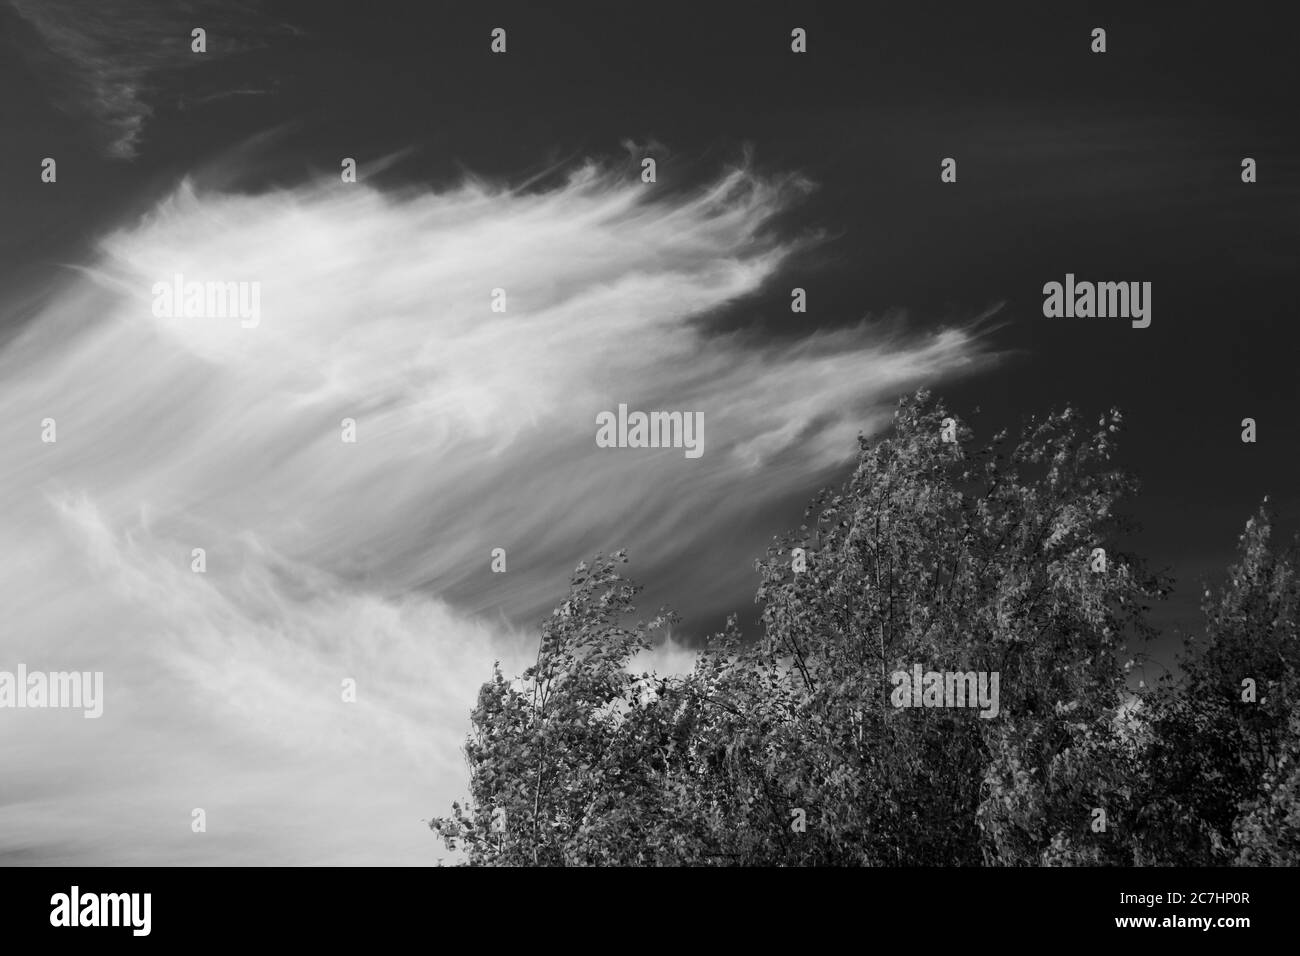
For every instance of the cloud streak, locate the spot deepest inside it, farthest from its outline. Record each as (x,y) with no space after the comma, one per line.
(111,56)
(328,560)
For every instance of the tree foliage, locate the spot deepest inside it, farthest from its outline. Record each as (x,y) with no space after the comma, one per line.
(788,750)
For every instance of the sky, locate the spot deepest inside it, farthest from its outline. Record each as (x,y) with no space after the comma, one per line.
(370,561)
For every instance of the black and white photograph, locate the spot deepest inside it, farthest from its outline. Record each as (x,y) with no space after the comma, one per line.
(640,436)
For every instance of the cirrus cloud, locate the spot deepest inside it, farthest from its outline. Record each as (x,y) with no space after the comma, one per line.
(328,560)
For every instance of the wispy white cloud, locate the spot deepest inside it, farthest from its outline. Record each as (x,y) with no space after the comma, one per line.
(328,560)
(106,59)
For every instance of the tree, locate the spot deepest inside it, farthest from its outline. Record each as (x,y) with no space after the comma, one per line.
(998,558)
(958,560)
(1224,738)
(553,773)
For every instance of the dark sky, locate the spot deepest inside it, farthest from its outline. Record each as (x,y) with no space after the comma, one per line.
(1122,166)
